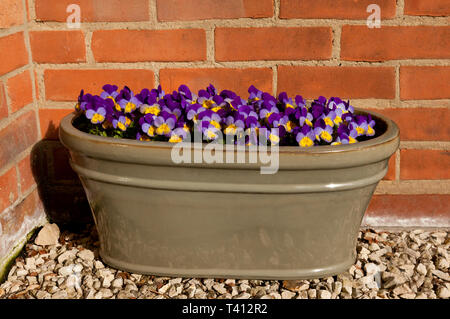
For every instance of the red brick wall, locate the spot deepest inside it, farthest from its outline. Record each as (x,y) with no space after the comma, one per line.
(20,206)
(310,47)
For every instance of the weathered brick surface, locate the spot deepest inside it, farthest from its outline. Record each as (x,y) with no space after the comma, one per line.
(20,90)
(11,13)
(17,137)
(410,206)
(58,46)
(184,10)
(424,164)
(427,7)
(94,10)
(360,43)
(331,9)
(245,44)
(14,54)
(424,82)
(8,188)
(149,45)
(345,82)
(420,124)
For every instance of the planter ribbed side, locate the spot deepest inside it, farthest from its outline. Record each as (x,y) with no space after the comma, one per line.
(227,220)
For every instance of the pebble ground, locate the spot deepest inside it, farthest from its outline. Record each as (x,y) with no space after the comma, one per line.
(409,264)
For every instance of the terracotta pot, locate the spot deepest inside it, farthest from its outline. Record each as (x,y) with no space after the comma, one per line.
(228,220)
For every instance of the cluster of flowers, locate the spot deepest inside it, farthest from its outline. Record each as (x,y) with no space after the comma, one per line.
(154,115)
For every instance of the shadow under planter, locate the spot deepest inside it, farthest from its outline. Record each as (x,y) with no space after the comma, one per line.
(59,187)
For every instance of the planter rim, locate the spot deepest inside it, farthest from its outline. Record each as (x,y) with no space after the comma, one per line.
(95,146)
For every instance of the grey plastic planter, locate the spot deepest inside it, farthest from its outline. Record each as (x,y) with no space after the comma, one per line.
(228,220)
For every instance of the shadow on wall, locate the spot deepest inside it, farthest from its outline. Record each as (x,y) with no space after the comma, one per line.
(58,185)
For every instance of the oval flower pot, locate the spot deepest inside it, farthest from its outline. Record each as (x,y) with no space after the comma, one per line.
(227,220)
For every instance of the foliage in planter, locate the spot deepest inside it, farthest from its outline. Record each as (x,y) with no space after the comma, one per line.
(153,115)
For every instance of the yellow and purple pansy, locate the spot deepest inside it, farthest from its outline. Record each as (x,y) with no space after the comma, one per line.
(153,115)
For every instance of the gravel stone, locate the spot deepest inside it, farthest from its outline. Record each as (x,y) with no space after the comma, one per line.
(398,264)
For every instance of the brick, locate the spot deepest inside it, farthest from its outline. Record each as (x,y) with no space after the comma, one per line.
(17,137)
(390,175)
(424,82)
(65,85)
(94,10)
(14,54)
(332,9)
(58,46)
(149,45)
(184,10)
(424,164)
(3,105)
(434,8)
(11,13)
(50,119)
(238,80)
(360,43)
(30,210)
(276,43)
(20,90)
(410,206)
(344,82)
(8,188)
(420,124)
(26,174)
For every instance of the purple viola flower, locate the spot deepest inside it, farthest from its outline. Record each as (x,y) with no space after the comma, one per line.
(317,110)
(370,126)
(122,123)
(184,91)
(304,117)
(266,113)
(209,131)
(109,92)
(300,101)
(305,137)
(236,103)
(322,131)
(330,118)
(234,124)
(164,123)
(146,123)
(83,100)
(273,135)
(347,134)
(205,99)
(211,117)
(178,135)
(193,111)
(127,101)
(289,105)
(321,100)
(96,115)
(336,103)
(282,122)
(255,94)
(359,124)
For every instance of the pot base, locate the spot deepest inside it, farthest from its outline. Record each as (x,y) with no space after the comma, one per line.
(261,274)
